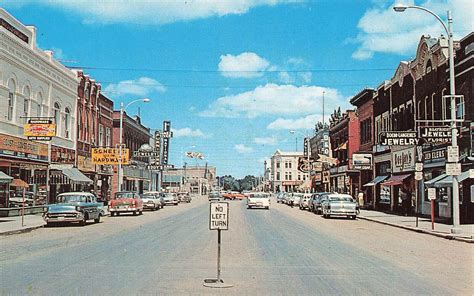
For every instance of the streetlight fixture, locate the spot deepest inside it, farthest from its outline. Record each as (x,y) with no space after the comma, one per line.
(449,30)
(307,154)
(122,110)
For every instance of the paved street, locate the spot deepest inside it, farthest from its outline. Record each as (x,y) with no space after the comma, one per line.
(283,251)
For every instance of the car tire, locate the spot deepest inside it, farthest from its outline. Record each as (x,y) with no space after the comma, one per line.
(97,220)
(84,220)
(117,214)
(134,213)
(353,217)
(140,212)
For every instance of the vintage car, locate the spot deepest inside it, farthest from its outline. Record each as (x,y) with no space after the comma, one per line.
(214,195)
(258,200)
(73,207)
(170,198)
(126,202)
(315,202)
(233,195)
(184,197)
(305,201)
(152,201)
(296,199)
(337,204)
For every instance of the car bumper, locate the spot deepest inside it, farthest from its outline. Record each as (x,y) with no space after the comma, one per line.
(150,206)
(342,212)
(58,218)
(258,205)
(121,210)
(171,202)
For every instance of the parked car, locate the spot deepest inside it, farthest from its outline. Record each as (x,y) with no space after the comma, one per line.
(315,203)
(305,201)
(184,197)
(126,202)
(258,200)
(152,201)
(73,207)
(214,195)
(170,198)
(296,199)
(337,204)
(279,197)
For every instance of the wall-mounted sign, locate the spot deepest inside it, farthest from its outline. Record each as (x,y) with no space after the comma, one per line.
(399,138)
(13,30)
(403,160)
(39,129)
(62,155)
(18,147)
(362,161)
(435,155)
(84,163)
(109,156)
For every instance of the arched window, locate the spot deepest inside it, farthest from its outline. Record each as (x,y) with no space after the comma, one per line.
(56,114)
(26,104)
(39,107)
(86,127)
(11,99)
(67,119)
(87,94)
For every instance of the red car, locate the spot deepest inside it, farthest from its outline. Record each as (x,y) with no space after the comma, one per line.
(126,202)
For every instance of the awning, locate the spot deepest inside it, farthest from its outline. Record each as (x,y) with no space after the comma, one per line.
(343,146)
(4,178)
(445,180)
(306,184)
(375,181)
(76,176)
(395,180)
(19,183)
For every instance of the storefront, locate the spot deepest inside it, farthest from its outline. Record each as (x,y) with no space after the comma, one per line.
(104,182)
(5,180)
(24,160)
(85,165)
(402,167)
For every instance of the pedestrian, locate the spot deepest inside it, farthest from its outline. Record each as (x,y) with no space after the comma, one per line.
(405,196)
(360,199)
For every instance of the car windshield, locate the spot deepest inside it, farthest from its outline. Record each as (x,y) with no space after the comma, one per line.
(72,198)
(340,198)
(124,195)
(148,195)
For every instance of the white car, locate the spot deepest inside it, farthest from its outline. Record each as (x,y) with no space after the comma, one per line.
(152,201)
(258,200)
(337,204)
(304,202)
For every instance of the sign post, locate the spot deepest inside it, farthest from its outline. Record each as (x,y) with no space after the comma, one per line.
(432,198)
(218,220)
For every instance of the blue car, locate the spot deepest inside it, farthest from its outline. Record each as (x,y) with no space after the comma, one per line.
(73,207)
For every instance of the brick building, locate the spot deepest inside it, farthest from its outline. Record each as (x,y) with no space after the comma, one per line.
(104,139)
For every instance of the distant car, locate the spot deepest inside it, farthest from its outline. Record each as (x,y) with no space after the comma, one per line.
(258,200)
(214,195)
(305,201)
(337,204)
(233,195)
(126,202)
(184,197)
(152,201)
(73,207)
(296,199)
(279,197)
(170,198)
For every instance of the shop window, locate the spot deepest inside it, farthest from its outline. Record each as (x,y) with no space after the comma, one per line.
(384,194)
(107,137)
(56,113)
(101,136)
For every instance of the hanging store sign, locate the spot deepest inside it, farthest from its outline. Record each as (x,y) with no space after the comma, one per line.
(436,134)
(109,156)
(305,148)
(166,141)
(399,138)
(362,161)
(403,160)
(157,159)
(39,129)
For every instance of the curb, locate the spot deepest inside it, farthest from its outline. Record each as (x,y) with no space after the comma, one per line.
(445,236)
(22,230)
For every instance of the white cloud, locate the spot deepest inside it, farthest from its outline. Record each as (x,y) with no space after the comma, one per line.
(151,12)
(274,99)
(141,87)
(188,132)
(383,30)
(306,122)
(241,148)
(266,141)
(244,65)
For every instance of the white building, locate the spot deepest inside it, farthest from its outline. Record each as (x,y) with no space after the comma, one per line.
(33,84)
(284,173)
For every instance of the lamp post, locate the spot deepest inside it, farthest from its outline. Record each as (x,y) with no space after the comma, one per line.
(307,154)
(122,110)
(449,30)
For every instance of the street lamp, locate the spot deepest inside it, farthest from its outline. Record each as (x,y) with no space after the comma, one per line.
(307,154)
(122,110)
(449,30)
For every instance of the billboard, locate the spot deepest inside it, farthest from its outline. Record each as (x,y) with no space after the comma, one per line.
(362,161)
(105,156)
(39,129)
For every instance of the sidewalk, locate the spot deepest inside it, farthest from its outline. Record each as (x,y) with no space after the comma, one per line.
(424,225)
(12,225)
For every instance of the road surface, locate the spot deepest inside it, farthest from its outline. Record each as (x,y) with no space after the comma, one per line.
(281,251)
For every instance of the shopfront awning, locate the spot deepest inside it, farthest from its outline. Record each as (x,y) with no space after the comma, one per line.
(19,183)
(395,180)
(4,178)
(375,181)
(76,176)
(445,180)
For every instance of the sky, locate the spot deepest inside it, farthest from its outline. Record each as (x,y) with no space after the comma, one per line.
(235,77)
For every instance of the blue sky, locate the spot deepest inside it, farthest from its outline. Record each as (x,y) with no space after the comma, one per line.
(234,76)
